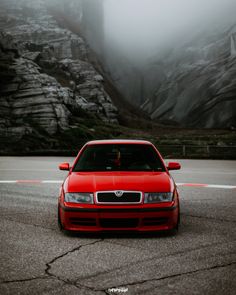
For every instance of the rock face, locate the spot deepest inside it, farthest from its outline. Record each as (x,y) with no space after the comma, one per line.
(195,85)
(191,86)
(46,77)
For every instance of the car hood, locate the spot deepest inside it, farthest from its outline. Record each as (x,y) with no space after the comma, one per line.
(104,181)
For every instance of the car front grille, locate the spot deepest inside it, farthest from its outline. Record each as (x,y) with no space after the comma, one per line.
(154,221)
(119,222)
(119,197)
(83,221)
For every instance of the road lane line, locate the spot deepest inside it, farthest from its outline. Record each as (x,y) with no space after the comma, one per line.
(25,169)
(192,184)
(31,181)
(28,181)
(7,181)
(221,186)
(35,181)
(52,181)
(207,185)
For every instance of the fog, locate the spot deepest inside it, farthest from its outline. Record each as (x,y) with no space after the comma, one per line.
(142,28)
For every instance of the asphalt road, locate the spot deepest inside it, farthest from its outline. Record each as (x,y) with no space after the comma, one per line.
(36,258)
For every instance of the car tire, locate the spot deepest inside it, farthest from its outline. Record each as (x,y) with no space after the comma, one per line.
(61,228)
(178,221)
(175,229)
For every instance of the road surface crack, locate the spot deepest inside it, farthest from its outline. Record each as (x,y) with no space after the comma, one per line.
(171,276)
(208,217)
(31,224)
(49,274)
(65,281)
(23,280)
(153,257)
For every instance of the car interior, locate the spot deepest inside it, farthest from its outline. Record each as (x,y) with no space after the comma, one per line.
(119,158)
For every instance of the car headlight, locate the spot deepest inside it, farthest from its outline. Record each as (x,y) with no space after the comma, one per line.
(158,197)
(83,198)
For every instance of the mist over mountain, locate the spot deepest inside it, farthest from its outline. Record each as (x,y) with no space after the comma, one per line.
(69,67)
(197,87)
(175,59)
(144,28)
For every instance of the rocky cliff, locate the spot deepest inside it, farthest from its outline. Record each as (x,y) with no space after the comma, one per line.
(194,85)
(48,86)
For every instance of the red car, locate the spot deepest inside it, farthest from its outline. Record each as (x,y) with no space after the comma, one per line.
(118,185)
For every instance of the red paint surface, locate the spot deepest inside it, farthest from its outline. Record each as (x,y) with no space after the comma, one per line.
(145,182)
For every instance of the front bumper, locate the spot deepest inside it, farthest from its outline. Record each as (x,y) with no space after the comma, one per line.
(107,218)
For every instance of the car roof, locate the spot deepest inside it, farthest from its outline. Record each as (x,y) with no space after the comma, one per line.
(118,141)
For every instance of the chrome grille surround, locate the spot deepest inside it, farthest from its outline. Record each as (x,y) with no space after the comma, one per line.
(114,199)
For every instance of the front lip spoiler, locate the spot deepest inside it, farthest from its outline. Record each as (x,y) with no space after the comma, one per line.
(119,210)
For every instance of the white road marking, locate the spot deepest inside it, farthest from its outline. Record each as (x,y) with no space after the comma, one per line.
(52,181)
(207,185)
(221,186)
(25,169)
(8,181)
(35,181)
(31,181)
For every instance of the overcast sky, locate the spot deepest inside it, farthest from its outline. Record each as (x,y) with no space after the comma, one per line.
(147,25)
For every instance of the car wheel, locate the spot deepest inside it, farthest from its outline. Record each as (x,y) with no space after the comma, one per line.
(175,230)
(59,220)
(178,221)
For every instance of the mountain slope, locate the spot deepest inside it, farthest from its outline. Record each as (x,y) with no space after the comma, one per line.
(197,87)
(48,85)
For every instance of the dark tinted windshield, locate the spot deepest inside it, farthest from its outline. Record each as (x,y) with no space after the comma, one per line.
(119,157)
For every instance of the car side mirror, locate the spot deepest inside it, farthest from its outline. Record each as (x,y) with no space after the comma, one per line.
(173,166)
(64,166)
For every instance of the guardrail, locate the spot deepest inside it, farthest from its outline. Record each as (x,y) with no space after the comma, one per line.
(195,151)
(167,151)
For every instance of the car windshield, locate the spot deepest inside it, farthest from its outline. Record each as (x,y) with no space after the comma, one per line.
(119,157)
